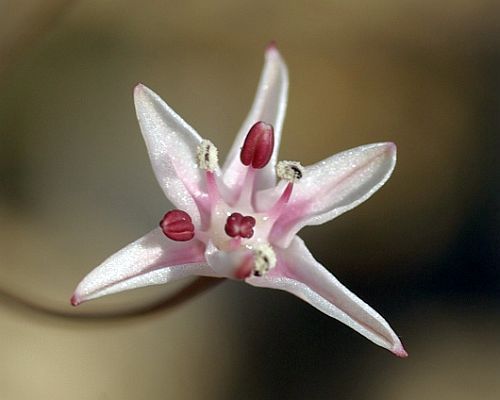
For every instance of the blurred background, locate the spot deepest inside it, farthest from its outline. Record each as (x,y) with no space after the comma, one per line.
(76,185)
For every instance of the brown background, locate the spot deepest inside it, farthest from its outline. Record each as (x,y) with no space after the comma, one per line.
(76,185)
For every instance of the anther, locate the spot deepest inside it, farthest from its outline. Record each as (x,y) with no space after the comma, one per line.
(291,171)
(207,154)
(239,226)
(177,225)
(258,146)
(264,259)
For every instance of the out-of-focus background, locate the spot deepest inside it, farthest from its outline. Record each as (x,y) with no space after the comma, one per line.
(76,185)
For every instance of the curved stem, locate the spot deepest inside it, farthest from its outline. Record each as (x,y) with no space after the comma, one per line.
(198,286)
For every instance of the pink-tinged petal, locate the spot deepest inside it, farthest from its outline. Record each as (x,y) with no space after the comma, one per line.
(226,264)
(331,187)
(299,273)
(269,106)
(171,145)
(151,260)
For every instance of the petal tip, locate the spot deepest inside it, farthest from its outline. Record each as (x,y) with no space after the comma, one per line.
(271,46)
(75,300)
(392,149)
(138,87)
(400,351)
(387,149)
(392,146)
(143,96)
(386,146)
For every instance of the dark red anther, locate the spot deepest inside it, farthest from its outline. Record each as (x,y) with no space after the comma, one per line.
(238,225)
(177,225)
(258,146)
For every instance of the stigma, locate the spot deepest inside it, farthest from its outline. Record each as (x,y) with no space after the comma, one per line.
(239,226)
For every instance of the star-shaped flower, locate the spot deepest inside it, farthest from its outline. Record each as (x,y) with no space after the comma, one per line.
(237,222)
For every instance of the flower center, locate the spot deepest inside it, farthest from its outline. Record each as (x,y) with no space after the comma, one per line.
(239,226)
(230,220)
(236,229)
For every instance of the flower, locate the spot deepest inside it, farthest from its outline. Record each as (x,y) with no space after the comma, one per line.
(236,222)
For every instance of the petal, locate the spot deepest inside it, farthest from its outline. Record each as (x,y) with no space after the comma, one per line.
(269,106)
(225,264)
(299,273)
(172,145)
(331,187)
(151,260)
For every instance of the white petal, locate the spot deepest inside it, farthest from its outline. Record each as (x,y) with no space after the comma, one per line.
(224,263)
(151,260)
(172,145)
(269,106)
(332,187)
(299,273)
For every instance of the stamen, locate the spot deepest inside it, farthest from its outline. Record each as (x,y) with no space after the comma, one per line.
(177,225)
(258,146)
(291,171)
(239,226)
(208,160)
(213,191)
(276,210)
(207,154)
(264,259)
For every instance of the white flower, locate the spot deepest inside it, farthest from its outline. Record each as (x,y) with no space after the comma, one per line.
(237,222)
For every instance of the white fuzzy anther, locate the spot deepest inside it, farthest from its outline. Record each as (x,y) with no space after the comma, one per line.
(291,171)
(207,153)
